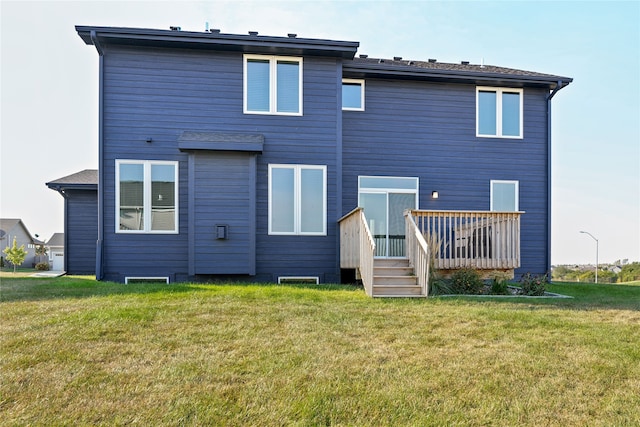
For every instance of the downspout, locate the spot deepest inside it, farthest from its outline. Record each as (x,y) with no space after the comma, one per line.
(549,97)
(99,242)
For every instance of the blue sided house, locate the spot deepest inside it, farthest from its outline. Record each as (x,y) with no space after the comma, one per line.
(275,159)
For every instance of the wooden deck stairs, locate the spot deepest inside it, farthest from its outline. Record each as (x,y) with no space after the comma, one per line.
(394,277)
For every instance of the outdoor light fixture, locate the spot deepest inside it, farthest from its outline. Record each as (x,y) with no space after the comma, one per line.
(149,140)
(434,194)
(586,232)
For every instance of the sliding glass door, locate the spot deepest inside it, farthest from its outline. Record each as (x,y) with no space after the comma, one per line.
(384,200)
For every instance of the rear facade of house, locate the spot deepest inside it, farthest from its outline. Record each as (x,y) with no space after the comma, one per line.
(235,156)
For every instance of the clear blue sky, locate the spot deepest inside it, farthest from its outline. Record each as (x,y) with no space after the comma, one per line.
(49,86)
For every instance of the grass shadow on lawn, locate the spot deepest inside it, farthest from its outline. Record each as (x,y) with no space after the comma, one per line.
(37,289)
(585,296)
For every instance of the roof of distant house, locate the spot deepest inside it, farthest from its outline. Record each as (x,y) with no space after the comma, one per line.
(8,224)
(57,239)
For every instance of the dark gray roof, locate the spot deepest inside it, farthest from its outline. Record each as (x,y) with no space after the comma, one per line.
(214,39)
(86,179)
(190,140)
(292,45)
(440,71)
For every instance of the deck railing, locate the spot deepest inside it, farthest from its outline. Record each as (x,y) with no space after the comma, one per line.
(471,239)
(417,251)
(357,247)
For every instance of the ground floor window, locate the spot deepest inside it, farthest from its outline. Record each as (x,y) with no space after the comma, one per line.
(504,196)
(146,196)
(298,199)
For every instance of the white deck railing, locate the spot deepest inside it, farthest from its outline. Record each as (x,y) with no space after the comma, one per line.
(357,247)
(471,239)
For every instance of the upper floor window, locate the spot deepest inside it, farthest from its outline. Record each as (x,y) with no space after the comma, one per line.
(499,112)
(504,196)
(298,199)
(146,196)
(272,85)
(353,94)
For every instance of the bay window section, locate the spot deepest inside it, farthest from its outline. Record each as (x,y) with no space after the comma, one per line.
(297,199)
(146,196)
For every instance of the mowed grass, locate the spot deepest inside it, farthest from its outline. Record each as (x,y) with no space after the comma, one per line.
(74,351)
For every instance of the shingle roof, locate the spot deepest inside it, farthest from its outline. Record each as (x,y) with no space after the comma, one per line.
(87,178)
(216,40)
(432,69)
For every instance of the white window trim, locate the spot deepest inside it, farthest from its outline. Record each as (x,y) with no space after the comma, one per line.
(147,196)
(297,194)
(273,81)
(517,198)
(383,190)
(499,91)
(361,83)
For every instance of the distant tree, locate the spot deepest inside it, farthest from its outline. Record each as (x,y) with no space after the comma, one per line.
(41,250)
(630,272)
(560,272)
(606,276)
(15,254)
(587,276)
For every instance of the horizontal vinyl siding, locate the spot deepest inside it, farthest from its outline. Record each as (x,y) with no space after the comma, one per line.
(428,130)
(81,217)
(222,196)
(310,139)
(159,93)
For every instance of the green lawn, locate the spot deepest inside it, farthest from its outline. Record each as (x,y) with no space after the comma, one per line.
(74,351)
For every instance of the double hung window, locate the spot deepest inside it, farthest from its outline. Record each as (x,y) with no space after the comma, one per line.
(504,196)
(146,196)
(298,199)
(272,85)
(499,112)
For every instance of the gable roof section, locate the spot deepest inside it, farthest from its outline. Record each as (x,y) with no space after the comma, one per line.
(83,180)
(8,225)
(214,40)
(56,240)
(446,72)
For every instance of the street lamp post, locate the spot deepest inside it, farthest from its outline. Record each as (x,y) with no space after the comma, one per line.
(586,232)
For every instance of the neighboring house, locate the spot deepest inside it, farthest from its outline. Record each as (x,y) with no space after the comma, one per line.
(10,228)
(55,246)
(235,156)
(80,193)
(616,269)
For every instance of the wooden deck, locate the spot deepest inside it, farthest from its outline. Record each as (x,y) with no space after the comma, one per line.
(444,240)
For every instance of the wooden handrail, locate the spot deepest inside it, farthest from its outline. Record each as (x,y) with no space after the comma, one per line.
(417,251)
(357,247)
